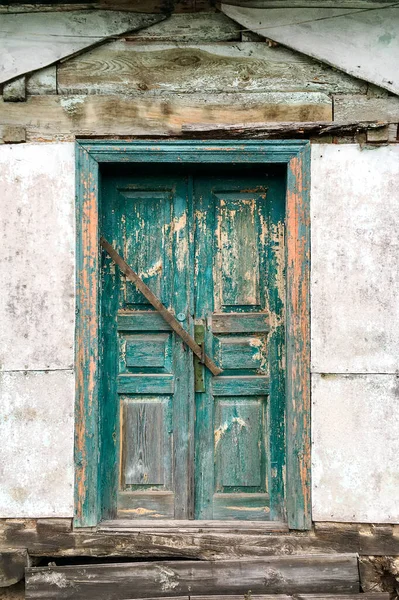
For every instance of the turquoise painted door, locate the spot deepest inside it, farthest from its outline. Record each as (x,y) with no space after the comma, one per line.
(176,441)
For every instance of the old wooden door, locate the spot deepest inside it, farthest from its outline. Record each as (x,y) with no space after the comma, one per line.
(177,442)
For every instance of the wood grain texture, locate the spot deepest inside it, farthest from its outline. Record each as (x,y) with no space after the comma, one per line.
(366,108)
(12,566)
(298,341)
(140,6)
(341,4)
(43,81)
(87,336)
(24,43)
(283,130)
(305,574)
(191,27)
(15,90)
(124,67)
(49,117)
(323,33)
(204,541)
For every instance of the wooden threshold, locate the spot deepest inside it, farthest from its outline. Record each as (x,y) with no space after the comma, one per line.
(57,537)
(183,526)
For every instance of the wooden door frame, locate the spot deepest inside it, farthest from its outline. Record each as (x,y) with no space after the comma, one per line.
(90,155)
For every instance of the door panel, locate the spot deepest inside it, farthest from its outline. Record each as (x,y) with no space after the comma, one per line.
(148,220)
(234,469)
(211,247)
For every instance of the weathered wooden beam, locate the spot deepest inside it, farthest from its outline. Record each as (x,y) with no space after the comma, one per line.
(43,81)
(12,566)
(55,537)
(15,90)
(364,108)
(379,574)
(123,67)
(12,135)
(190,6)
(285,574)
(45,117)
(282,130)
(192,28)
(327,596)
(352,4)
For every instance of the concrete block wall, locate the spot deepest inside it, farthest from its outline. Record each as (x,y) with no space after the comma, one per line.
(355,327)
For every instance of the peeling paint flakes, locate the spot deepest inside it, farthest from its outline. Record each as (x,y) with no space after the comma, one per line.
(220,431)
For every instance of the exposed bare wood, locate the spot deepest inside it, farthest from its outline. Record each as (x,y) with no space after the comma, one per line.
(348,107)
(124,68)
(12,135)
(122,526)
(300,574)
(141,6)
(25,38)
(378,135)
(55,537)
(369,596)
(191,6)
(393,132)
(12,566)
(43,81)
(193,28)
(379,574)
(15,90)
(324,34)
(352,4)
(49,117)
(281,130)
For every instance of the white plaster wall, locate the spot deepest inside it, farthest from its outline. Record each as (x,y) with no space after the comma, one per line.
(37,308)
(355,333)
(37,256)
(355,254)
(355,348)
(36,432)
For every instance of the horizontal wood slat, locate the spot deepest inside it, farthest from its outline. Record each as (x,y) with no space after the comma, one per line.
(348,107)
(122,67)
(240,385)
(196,540)
(138,505)
(284,130)
(142,321)
(286,574)
(122,526)
(240,323)
(145,384)
(238,506)
(47,116)
(362,596)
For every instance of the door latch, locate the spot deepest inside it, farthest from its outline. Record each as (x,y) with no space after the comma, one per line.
(199,374)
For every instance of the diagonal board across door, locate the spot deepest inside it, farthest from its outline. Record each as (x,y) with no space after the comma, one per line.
(177,442)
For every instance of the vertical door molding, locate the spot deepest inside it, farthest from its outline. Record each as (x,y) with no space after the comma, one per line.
(90,155)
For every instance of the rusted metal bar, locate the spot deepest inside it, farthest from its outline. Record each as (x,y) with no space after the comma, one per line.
(157,304)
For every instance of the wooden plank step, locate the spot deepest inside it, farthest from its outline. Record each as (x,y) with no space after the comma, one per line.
(317,574)
(361,596)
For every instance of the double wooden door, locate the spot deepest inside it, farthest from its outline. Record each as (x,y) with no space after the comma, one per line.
(177,442)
